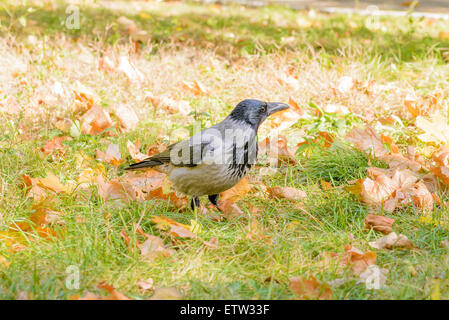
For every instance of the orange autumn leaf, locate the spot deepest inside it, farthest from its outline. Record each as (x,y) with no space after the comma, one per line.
(134,151)
(113,294)
(196,87)
(237,192)
(310,289)
(112,155)
(173,227)
(54,144)
(95,121)
(359,260)
(295,106)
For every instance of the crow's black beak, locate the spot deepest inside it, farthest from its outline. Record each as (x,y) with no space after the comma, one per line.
(275,107)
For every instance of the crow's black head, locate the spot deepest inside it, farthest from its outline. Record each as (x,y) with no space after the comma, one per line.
(254,112)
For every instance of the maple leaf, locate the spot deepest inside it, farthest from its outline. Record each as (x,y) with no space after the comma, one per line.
(435,129)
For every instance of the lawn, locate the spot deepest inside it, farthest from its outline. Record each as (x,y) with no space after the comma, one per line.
(174,66)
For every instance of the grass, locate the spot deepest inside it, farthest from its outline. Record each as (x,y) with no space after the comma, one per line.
(237,52)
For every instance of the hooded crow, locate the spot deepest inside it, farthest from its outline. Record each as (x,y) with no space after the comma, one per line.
(217,158)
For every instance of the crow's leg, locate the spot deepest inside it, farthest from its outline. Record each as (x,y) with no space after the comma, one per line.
(213,198)
(195,203)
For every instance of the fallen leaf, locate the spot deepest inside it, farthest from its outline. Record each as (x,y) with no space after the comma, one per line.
(127,116)
(168,104)
(295,106)
(374,277)
(134,151)
(436,129)
(212,244)
(310,289)
(196,87)
(287,193)
(131,72)
(379,223)
(145,284)
(95,121)
(359,260)
(112,155)
(237,192)
(173,227)
(392,241)
(166,294)
(54,144)
(367,140)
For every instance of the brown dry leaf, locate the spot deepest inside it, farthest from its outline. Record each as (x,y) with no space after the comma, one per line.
(166,294)
(310,289)
(131,72)
(392,241)
(436,129)
(413,105)
(367,140)
(169,104)
(281,120)
(161,193)
(112,155)
(127,116)
(116,190)
(256,233)
(230,210)
(113,294)
(211,244)
(325,139)
(39,188)
(145,284)
(134,151)
(237,192)
(287,193)
(196,87)
(173,227)
(325,185)
(358,260)
(379,223)
(295,106)
(95,121)
(55,144)
(151,248)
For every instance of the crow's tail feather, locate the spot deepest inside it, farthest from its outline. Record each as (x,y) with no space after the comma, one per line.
(144,164)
